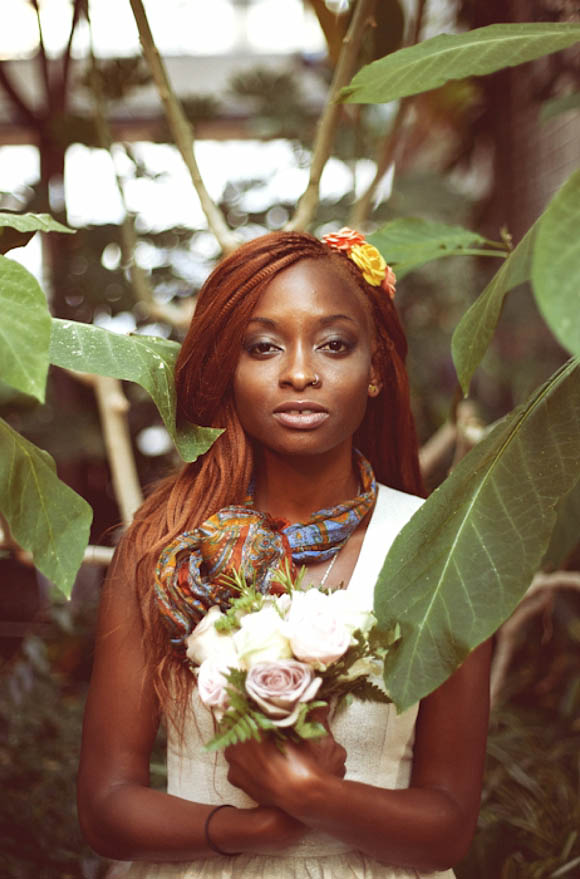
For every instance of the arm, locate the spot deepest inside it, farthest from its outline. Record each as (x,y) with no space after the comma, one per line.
(120,815)
(427,826)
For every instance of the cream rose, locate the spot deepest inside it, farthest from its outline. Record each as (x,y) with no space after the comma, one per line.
(261,638)
(211,686)
(317,634)
(280,687)
(320,627)
(205,642)
(353,613)
(370,262)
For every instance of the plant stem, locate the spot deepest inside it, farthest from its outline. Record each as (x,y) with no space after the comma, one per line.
(362,207)
(387,152)
(330,118)
(113,408)
(538,599)
(181,129)
(42,57)
(176,316)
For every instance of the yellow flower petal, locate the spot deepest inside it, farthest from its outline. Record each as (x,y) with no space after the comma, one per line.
(370,262)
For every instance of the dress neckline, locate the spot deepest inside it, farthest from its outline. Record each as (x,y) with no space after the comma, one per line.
(392,510)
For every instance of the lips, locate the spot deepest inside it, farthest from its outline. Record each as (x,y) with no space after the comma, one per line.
(300,414)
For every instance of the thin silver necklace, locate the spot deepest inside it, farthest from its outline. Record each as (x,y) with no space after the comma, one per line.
(326,574)
(329,569)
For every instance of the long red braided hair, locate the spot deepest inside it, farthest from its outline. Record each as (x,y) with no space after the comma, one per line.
(203,378)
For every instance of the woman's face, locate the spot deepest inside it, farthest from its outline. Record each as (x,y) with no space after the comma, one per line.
(302,380)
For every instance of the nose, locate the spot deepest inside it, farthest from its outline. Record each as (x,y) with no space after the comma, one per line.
(298,369)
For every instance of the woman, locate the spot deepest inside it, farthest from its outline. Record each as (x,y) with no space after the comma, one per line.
(297,351)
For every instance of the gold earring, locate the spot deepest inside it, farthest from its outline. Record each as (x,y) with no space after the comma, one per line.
(373,390)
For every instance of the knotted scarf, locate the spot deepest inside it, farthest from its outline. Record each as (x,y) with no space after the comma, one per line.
(194,571)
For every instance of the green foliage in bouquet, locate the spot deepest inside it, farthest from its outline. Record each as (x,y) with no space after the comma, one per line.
(242,721)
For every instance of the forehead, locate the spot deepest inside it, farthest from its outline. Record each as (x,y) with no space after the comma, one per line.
(313,287)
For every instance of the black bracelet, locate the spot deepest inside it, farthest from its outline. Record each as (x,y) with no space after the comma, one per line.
(210,843)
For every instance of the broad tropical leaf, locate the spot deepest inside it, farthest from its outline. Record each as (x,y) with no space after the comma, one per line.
(44,515)
(24,330)
(434,62)
(16,230)
(33,223)
(475,330)
(556,265)
(566,534)
(147,360)
(410,242)
(460,566)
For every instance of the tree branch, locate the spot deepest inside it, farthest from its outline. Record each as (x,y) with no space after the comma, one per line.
(176,316)
(16,98)
(66,59)
(418,23)
(388,151)
(329,120)
(537,599)
(113,408)
(454,439)
(43,59)
(181,130)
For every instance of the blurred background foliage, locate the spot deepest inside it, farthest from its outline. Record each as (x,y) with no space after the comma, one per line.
(473,153)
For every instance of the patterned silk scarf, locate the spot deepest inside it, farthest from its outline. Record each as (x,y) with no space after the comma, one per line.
(192,572)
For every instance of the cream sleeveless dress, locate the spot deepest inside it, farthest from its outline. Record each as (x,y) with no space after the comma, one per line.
(379,745)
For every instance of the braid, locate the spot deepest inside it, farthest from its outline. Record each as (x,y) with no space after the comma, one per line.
(203,379)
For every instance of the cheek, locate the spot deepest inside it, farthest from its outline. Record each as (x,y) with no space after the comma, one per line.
(249,392)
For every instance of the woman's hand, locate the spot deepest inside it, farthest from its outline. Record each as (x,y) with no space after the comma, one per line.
(276,778)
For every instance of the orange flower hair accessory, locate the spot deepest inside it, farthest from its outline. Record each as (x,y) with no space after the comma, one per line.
(365,256)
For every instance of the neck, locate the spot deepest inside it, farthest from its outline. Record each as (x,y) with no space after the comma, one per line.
(294,488)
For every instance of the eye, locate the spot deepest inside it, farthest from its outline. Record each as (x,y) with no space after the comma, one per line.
(336,345)
(261,347)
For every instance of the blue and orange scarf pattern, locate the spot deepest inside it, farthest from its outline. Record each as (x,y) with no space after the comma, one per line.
(193,572)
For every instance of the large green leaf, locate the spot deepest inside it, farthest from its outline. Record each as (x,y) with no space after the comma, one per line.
(410,242)
(16,230)
(24,330)
(434,62)
(460,566)
(556,264)
(566,534)
(474,331)
(147,360)
(44,515)
(33,223)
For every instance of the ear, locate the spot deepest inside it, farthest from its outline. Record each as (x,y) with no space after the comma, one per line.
(375,383)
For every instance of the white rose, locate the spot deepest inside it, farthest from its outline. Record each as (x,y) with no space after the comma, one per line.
(211,685)
(205,642)
(260,638)
(318,634)
(351,611)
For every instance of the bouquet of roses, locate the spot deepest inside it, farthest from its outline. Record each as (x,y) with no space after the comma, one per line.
(270,660)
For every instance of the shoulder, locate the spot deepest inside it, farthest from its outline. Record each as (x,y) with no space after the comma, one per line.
(395,506)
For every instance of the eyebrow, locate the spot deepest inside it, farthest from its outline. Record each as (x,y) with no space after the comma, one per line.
(323,321)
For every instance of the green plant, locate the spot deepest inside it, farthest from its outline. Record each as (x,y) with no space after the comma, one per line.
(480,522)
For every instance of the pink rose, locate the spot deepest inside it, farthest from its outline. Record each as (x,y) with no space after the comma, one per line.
(318,631)
(211,685)
(279,687)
